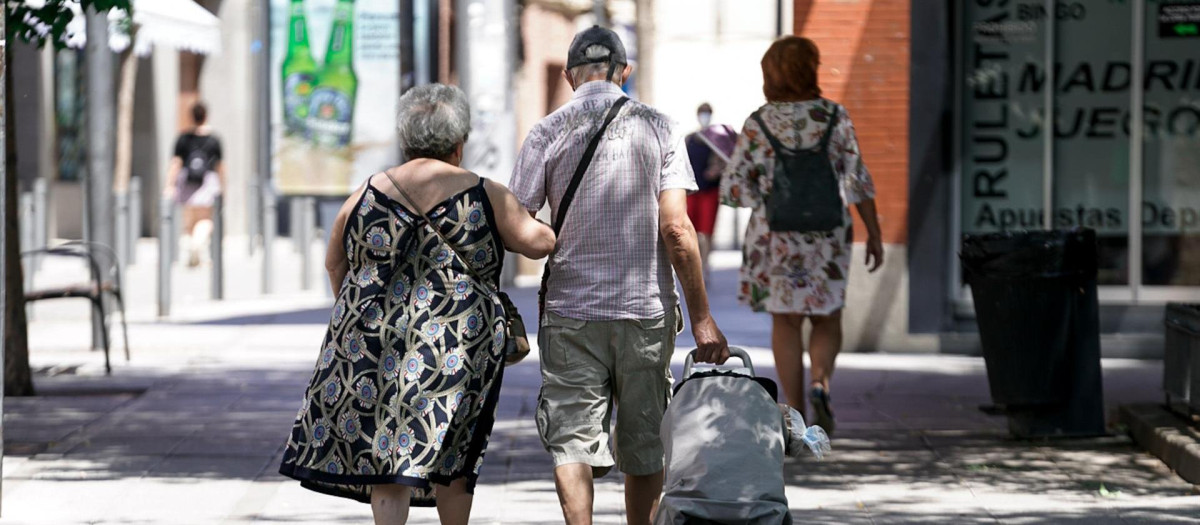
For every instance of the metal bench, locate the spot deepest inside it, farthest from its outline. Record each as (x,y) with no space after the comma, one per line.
(104,280)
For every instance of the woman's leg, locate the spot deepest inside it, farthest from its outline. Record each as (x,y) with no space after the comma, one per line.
(787,343)
(454,502)
(824,345)
(389,504)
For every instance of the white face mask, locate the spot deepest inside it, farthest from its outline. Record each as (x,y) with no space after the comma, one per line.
(705,119)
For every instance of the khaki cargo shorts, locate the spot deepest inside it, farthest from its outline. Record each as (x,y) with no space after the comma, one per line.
(587,366)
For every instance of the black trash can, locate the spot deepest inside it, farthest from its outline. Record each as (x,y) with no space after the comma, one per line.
(1039,325)
(1181,358)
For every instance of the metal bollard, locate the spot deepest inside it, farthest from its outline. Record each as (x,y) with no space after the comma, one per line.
(253,213)
(25,212)
(41,217)
(294,222)
(306,228)
(217,243)
(135,219)
(121,218)
(166,257)
(269,211)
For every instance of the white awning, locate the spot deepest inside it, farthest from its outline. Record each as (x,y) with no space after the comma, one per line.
(177,24)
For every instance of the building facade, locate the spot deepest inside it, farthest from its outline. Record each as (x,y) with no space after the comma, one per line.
(978,117)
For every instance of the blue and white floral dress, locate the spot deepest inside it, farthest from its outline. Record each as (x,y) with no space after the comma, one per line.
(409,373)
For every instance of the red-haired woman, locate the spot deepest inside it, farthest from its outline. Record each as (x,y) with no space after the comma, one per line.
(798,275)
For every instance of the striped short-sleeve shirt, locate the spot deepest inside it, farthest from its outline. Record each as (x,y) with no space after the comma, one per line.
(610,263)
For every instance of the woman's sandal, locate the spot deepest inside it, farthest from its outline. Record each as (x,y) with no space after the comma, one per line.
(819,398)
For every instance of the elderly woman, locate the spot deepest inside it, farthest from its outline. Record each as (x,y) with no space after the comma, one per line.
(404,394)
(798,275)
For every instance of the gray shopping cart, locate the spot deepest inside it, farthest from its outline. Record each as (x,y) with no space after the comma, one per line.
(725,439)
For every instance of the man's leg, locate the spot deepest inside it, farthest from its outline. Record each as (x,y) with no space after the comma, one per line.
(574,408)
(575,492)
(642,390)
(641,497)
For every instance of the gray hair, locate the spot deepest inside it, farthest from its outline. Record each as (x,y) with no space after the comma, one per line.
(433,120)
(580,74)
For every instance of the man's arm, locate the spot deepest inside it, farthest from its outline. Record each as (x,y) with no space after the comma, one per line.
(684,251)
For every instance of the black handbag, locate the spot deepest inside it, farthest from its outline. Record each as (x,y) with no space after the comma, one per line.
(516,339)
(805,194)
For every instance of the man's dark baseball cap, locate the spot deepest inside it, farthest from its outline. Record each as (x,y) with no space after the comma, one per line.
(596,36)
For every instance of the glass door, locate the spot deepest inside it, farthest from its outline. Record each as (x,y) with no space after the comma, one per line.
(1169,265)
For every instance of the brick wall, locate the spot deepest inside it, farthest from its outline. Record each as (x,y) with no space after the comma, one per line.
(865,66)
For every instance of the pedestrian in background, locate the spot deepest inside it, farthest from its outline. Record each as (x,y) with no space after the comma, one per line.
(798,275)
(404,394)
(195,179)
(610,317)
(709,149)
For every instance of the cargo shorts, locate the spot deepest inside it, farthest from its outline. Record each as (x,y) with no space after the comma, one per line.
(587,367)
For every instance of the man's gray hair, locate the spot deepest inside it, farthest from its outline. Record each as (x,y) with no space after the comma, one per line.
(433,120)
(580,74)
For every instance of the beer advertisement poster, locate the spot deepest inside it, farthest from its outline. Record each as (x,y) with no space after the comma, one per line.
(334,87)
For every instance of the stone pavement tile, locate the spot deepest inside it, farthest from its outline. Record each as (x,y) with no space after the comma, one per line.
(51,467)
(216,445)
(192,468)
(106,447)
(1160,510)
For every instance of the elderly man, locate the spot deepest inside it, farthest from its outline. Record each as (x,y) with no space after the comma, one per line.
(616,175)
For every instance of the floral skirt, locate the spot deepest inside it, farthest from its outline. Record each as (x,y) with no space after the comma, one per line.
(794,272)
(410,402)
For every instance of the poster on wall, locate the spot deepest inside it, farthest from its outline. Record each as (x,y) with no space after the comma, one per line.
(334,87)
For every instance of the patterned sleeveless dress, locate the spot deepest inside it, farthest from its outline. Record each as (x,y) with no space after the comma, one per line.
(405,388)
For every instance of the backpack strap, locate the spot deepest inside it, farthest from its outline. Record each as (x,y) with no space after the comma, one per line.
(775,144)
(833,122)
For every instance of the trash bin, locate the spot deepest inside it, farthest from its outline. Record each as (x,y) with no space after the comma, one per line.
(1038,315)
(1181,357)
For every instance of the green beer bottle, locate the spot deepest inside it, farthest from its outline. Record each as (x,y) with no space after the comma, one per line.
(299,73)
(331,107)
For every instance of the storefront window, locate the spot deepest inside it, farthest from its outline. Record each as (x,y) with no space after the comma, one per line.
(1091,128)
(1008,161)
(1002,152)
(1171,154)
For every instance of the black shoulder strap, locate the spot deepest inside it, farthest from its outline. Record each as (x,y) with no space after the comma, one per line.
(412,205)
(584,163)
(775,144)
(833,122)
(569,196)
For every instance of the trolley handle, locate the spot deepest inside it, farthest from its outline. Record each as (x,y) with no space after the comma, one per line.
(734,351)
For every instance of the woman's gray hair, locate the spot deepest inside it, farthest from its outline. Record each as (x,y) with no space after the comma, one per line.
(433,120)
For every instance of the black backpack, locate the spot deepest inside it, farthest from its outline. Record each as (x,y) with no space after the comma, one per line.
(198,163)
(805,196)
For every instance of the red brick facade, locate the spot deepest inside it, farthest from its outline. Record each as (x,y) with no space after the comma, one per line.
(865,66)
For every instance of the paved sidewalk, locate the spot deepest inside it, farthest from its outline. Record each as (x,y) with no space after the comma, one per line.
(191,431)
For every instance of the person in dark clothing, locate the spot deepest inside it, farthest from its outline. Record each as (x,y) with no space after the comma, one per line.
(709,149)
(194,180)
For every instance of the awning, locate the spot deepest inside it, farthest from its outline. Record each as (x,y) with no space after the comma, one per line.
(177,24)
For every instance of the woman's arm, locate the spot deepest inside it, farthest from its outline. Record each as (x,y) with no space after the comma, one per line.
(520,232)
(336,262)
(866,210)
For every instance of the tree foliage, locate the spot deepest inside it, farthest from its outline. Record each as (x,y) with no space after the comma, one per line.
(54,21)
